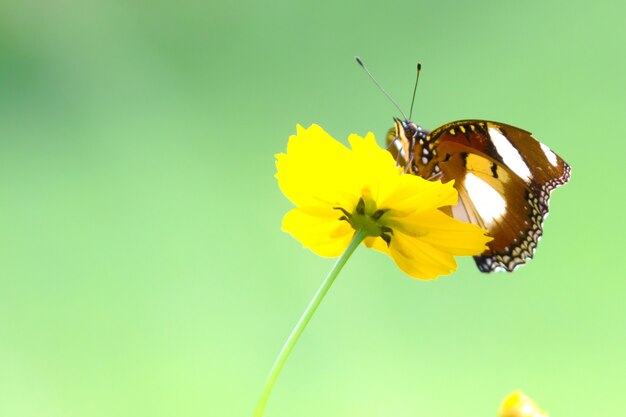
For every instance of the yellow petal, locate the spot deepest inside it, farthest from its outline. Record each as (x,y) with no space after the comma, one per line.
(313,171)
(376,243)
(419,259)
(413,194)
(373,166)
(319,229)
(443,232)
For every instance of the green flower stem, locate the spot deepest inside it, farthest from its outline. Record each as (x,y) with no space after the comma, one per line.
(304,320)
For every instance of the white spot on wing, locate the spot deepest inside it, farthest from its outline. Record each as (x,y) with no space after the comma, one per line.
(509,154)
(488,203)
(459,212)
(549,154)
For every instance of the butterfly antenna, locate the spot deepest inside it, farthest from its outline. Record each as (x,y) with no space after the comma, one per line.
(419,68)
(360,62)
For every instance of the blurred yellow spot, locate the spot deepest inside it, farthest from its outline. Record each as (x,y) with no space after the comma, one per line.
(517,404)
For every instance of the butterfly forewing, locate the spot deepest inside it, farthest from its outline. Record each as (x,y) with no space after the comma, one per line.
(503,175)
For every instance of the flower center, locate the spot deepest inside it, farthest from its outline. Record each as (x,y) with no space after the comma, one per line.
(367,217)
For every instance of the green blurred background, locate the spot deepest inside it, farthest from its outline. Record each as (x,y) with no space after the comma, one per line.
(142,268)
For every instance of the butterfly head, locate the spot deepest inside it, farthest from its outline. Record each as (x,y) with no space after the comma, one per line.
(406,141)
(405,128)
(409,131)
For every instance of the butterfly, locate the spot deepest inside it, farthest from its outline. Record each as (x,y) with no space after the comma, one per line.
(503,175)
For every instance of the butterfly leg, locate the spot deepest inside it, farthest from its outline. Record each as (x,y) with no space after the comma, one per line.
(392,143)
(435,177)
(407,167)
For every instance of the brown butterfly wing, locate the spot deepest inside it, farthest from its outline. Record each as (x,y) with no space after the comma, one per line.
(487,160)
(545,176)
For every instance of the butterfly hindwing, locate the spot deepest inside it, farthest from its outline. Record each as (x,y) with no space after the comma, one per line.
(488,201)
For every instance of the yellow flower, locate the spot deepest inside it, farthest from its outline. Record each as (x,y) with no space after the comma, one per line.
(338,190)
(517,404)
